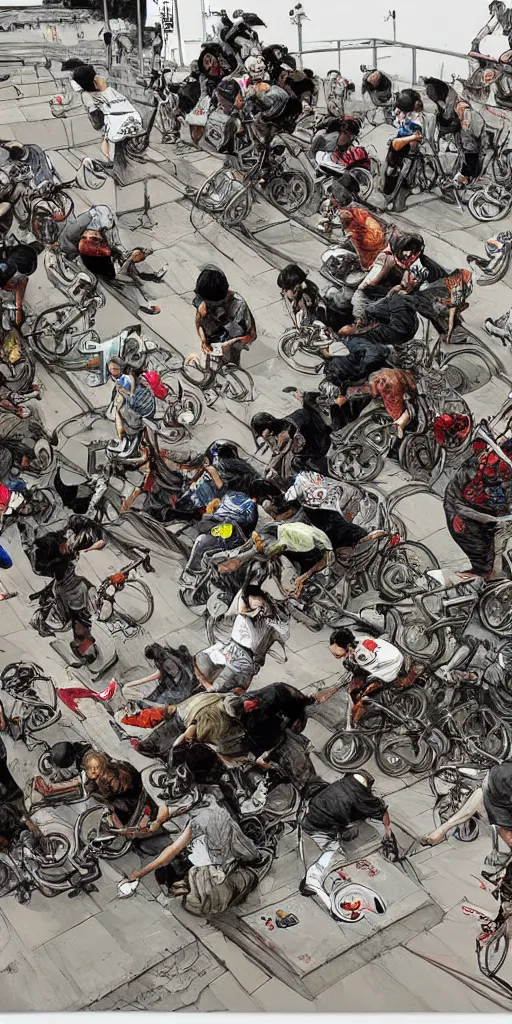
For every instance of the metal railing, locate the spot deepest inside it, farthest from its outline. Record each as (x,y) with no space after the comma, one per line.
(342,45)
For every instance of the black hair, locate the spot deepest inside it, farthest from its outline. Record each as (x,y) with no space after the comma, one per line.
(264,421)
(72,64)
(261,489)
(406,243)
(64,755)
(84,77)
(152,651)
(342,637)
(254,590)
(227,449)
(407,99)
(212,284)
(87,532)
(290,277)
(15,149)
(21,259)
(309,73)
(202,762)
(344,189)
(436,89)
(352,125)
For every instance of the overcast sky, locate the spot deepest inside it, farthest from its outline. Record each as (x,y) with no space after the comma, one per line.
(435,23)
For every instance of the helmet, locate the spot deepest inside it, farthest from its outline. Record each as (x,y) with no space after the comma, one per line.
(255,66)
(237,507)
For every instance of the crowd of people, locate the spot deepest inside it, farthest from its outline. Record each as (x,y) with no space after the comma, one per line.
(227,738)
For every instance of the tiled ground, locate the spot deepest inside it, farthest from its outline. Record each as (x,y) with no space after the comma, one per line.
(106,954)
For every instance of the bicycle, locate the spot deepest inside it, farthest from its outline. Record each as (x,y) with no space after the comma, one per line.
(43,864)
(492,945)
(126,604)
(215,376)
(30,714)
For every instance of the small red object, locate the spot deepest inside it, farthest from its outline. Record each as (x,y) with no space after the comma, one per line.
(371,645)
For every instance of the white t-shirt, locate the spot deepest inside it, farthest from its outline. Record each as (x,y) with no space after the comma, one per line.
(378,657)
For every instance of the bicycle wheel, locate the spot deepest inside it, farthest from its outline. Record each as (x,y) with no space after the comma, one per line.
(492,952)
(404,568)
(364,179)
(20,674)
(188,402)
(295,348)
(495,608)
(134,603)
(54,850)
(466,370)
(501,167)
(410,634)
(426,173)
(51,331)
(8,880)
(93,830)
(411,703)
(355,462)
(200,376)
(237,209)
(289,190)
(397,753)
(491,203)
(483,726)
(422,457)
(41,717)
(158,778)
(347,749)
(500,269)
(238,384)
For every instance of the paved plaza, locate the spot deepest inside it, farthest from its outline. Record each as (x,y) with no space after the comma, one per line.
(147,953)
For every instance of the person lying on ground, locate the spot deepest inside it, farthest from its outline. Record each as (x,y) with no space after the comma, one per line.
(372,663)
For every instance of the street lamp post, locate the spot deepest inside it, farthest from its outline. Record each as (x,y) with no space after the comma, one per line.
(140,44)
(392,17)
(178,32)
(203,20)
(107,29)
(297,16)
(167,24)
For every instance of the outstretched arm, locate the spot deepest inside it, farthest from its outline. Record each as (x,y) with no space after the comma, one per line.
(166,856)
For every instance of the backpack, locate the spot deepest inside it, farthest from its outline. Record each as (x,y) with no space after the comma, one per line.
(219,130)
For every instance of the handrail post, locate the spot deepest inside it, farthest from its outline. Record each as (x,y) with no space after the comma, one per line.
(414,69)
(374,52)
(339,55)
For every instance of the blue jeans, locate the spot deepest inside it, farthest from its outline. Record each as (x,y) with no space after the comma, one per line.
(5,559)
